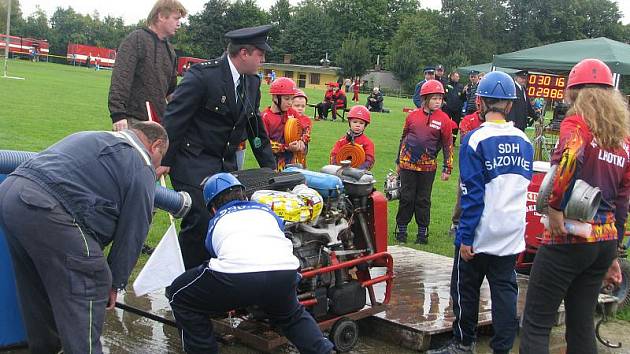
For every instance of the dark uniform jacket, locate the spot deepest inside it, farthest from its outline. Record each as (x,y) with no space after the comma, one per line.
(417,99)
(145,70)
(107,185)
(205,124)
(521,109)
(454,101)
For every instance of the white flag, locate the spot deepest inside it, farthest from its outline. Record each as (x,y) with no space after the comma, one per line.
(164,265)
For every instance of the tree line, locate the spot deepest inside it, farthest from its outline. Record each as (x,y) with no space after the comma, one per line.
(354,32)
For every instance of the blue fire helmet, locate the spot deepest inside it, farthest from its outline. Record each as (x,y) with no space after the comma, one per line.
(216,184)
(497,84)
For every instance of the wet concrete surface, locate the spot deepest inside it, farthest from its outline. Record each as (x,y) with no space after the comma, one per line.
(420,306)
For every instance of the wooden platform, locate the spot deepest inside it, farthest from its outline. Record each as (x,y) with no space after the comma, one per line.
(420,305)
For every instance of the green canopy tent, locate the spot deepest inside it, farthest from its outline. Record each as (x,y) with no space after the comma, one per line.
(486,68)
(562,56)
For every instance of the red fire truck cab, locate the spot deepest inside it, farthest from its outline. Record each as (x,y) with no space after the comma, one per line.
(78,54)
(24,46)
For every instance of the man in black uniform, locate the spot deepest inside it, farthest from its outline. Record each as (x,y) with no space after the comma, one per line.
(522,109)
(469,93)
(213,108)
(439,75)
(454,103)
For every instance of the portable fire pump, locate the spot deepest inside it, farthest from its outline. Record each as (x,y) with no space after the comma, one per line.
(337,248)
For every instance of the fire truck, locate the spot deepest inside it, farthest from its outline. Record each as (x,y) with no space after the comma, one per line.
(24,46)
(77,54)
(183,63)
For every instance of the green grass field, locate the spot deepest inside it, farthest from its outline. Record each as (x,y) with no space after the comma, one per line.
(56,100)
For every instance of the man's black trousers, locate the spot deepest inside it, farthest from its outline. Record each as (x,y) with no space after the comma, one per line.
(201,292)
(62,278)
(466,280)
(194,227)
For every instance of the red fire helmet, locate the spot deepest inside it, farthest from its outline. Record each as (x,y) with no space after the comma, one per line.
(590,71)
(360,112)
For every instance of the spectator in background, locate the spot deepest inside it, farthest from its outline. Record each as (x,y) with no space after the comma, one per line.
(347,83)
(375,101)
(33,54)
(273,75)
(145,68)
(454,103)
(88,61)
(334,99)
(522,110)
(539,105)
(469,93)
(429,74)
(439,75)
(356,87)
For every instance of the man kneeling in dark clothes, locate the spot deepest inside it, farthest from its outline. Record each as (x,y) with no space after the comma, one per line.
(252,264)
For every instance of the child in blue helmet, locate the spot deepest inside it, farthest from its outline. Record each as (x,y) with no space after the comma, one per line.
(495,162)
(252,263)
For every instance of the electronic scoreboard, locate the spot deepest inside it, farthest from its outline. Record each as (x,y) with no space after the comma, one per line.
(549,87)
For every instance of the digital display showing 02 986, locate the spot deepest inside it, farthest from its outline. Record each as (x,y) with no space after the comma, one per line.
(546,86)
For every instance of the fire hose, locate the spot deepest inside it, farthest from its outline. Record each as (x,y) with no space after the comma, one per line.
(352,152)
(293,132)
(176,203)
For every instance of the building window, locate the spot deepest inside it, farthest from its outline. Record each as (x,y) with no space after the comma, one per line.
(288,74)
(314,79)
(301,80)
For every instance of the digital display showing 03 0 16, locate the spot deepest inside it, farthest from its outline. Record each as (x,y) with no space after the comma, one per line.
(546,86)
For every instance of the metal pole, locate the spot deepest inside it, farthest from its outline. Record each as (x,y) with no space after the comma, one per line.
(6,48)
(6,43)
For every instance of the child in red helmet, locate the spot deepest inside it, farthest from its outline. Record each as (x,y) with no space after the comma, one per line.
(427,130)
(299,106)
(334,99)
(275,118)
(358,119)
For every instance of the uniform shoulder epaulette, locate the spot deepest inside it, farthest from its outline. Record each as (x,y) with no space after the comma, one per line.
(212,63)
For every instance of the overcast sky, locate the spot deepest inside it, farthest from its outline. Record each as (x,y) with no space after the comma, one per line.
(134,10)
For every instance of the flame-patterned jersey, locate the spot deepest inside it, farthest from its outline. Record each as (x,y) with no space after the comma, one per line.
(579,156)
(424,135)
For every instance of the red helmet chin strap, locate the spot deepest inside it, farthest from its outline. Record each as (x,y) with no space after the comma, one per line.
(277,101)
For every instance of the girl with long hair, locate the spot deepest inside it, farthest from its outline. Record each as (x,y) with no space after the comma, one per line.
(594,147)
